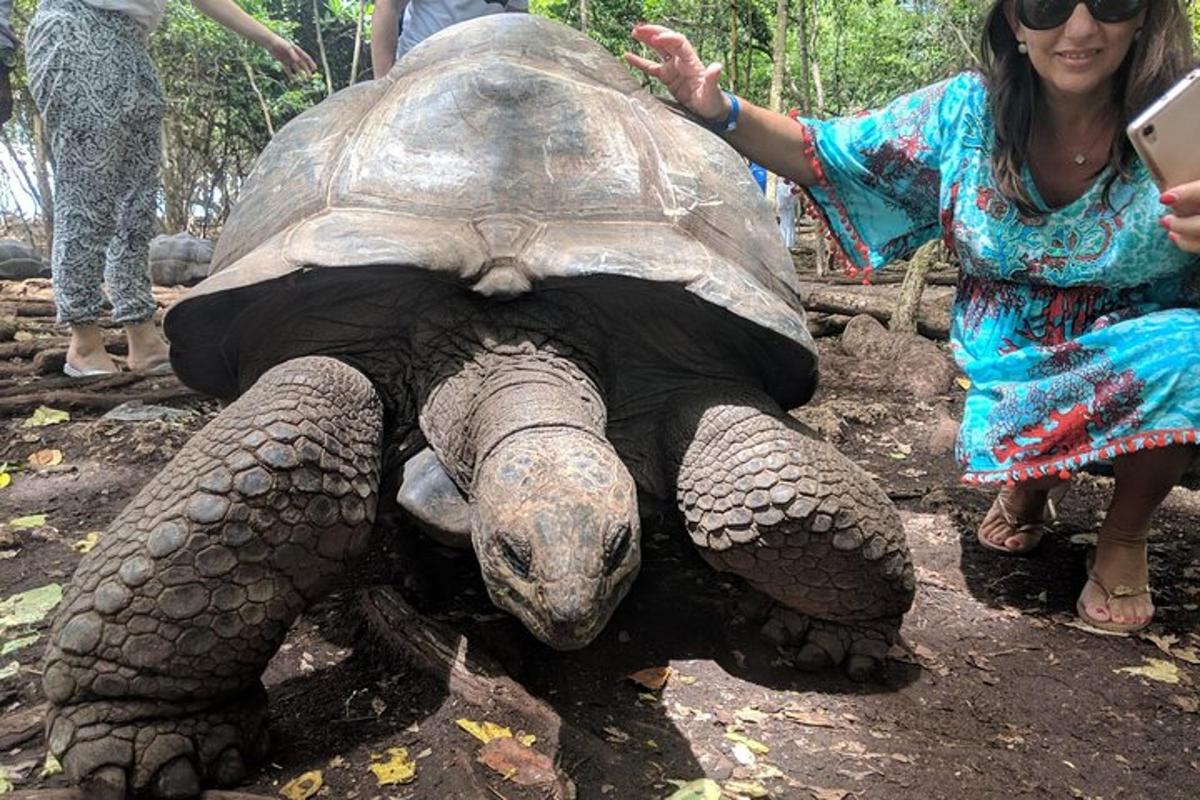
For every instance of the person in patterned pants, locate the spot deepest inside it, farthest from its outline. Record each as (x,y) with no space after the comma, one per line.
(95,85)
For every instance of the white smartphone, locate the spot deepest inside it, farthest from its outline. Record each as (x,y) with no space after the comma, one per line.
(1167,134)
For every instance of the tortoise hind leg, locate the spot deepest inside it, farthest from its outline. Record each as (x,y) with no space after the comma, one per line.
(153,671)
(797,520)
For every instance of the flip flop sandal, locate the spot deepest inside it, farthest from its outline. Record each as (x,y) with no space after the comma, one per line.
(1032,530)
(90,372)
(161,368)
(1118,592)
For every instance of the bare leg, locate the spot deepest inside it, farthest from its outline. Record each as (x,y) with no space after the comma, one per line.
(146,346)
(800,522)
(157,648)
(1143,481)
(1025,503)
(86,350)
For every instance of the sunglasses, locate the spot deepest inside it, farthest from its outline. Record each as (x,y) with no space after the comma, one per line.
(1042,15)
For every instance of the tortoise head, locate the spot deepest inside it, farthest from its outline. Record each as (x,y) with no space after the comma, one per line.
(555,527)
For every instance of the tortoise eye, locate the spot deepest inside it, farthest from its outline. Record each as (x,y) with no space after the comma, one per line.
(516,556)
(617,547)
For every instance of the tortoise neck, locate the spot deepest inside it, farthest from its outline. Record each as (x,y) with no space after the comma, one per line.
(510,388)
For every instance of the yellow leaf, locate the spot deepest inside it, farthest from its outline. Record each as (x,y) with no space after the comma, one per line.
(25,523)
(484,731)
(44,415)
(86,544)
(398,768)
(527,740)
(652,678)
(304,786)
(751,715)
(5,479)
(746,789)
(755,746)
(46,458)
(1156,670)
(702,789)
(964,383)
(51,767)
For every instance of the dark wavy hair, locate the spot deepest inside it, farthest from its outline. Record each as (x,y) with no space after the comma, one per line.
(1156,60)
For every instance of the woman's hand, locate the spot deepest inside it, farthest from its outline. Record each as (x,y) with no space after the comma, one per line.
(681,71)
(1184,220)
(290,56)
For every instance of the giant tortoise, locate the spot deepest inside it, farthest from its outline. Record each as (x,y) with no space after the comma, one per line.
(570,292)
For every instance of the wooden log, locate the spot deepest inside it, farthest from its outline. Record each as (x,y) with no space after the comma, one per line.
(933,317)
(474,675)
(77,794)
(908,300)
(826,324)
(95,400)
(21,726)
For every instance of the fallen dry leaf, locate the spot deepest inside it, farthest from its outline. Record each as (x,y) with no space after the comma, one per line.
(397,769)
(484,731)
(1189,705)
(27,523)
(652,678)
(46,458)
(813,719)
(303,786)
(751,715)
(44,415)
(755,746)
(746,789)
(820,793)
(1156,670)
(5,479)
(701,789)
(86,544)
(522,765)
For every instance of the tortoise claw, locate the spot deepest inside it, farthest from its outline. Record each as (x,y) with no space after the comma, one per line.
(177,780)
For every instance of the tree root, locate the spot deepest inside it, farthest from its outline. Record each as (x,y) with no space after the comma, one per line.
(474,675)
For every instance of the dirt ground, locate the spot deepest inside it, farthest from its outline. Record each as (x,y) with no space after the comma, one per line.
(994,693)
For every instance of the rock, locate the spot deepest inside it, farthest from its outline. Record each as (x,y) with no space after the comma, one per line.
(908,362)
(180,259)
(136,411)
(19,261)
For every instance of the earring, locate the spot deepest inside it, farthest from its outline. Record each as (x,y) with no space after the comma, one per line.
(1022,48)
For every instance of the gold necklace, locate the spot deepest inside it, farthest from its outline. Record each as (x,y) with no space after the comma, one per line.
(1080,158)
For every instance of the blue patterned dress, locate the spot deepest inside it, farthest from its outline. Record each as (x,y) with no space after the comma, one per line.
(1078,328)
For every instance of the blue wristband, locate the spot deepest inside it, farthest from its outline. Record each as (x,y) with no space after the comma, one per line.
(729,124)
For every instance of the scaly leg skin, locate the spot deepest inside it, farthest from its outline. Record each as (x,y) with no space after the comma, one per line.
(801,523)
(153,672)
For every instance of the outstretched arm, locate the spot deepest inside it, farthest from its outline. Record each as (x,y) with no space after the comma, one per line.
(226,13)
(385,32)
(763,136)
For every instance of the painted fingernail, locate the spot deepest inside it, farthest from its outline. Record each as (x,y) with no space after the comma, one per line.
(1165,222)
(1174,237)
(1167,198)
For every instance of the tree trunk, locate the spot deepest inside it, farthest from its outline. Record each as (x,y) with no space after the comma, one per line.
(321,48)
(583,15)
(262,102)
(778,71)
(41,167)
(731,62)
(805,67)
(358,29)
(904,318)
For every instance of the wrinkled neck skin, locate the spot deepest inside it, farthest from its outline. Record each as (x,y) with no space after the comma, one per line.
(514,410)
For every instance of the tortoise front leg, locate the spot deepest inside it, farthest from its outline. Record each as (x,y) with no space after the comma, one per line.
(799,521)
(153,673)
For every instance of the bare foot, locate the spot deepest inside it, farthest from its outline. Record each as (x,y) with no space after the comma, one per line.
(147,350)
(1014,520)
(86,351)
(1122,569)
